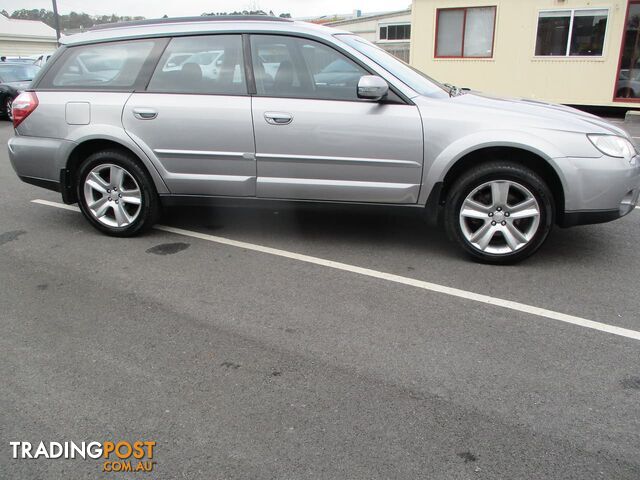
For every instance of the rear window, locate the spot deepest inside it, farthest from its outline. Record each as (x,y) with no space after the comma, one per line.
(106,66)
(17,73)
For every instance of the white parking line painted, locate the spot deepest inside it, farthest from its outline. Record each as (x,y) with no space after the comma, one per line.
(390,277)
(56,204)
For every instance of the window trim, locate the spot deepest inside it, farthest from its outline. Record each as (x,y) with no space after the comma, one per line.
(464,31)
(572,12)
(45,82)
(617,99)
(391,24)
(247,81)
(401,98)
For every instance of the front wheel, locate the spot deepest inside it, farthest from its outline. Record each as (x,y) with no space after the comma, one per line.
(499,212)
(116,194)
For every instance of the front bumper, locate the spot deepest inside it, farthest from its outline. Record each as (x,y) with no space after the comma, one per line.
(599,190)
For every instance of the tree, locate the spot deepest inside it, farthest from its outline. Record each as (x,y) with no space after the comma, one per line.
(71,21)
(246,12)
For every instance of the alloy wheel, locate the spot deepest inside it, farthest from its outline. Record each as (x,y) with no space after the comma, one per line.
(500,217)
(112,195)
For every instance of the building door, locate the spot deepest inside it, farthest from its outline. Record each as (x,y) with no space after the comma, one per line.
(628,80)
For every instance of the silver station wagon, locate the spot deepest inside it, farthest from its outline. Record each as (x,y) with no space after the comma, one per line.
(129,117)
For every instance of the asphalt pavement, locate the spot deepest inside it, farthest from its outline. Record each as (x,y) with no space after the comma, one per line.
(241,363)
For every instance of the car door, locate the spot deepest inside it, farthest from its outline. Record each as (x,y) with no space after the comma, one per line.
(316,140)
(196,122)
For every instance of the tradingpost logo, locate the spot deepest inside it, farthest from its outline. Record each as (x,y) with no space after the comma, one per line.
(120,456)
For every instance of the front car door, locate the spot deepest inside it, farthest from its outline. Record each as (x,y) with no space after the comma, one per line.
(316,140)
(195,117)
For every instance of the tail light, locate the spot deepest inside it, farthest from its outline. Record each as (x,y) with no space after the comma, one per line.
(23,105)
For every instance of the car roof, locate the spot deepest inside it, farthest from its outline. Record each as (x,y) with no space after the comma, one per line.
(196,26)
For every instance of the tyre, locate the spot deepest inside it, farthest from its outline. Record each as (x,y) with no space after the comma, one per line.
(499,212)
(7,102)
(116,194)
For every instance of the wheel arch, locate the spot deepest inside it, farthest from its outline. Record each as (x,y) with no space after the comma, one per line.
(525,155)
(91,145)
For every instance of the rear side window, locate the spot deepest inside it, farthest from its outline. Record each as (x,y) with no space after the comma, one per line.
(211,64)
(105,66)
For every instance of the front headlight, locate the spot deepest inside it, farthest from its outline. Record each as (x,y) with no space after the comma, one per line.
(613,146)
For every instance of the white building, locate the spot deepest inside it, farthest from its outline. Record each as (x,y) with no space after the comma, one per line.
(25,37)
(391,30)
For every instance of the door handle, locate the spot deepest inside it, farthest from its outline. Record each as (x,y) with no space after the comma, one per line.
(145,113)
(278,118)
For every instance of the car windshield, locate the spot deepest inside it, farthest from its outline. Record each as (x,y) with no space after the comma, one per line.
(416,80)
(17,73)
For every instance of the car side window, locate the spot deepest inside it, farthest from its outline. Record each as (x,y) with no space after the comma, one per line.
(108,66)
(203,65)
(301,68)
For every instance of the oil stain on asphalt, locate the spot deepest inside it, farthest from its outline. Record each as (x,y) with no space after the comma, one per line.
(168,248)
(231,365)
(7,237)
(631,383)
(467,457)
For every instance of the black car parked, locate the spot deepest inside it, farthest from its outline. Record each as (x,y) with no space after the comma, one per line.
(14,78)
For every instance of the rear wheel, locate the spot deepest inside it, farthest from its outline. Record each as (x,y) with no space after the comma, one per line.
(499,212)
(116,194)
(8,102)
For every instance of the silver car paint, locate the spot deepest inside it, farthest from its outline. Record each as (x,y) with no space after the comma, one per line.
(291,160)
(49,121)
(460,125)
(343,151)
(202,144)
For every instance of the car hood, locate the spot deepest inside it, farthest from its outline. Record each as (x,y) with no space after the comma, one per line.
(534,113)
(19,86)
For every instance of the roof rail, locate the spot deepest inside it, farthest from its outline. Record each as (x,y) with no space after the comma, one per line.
(202,18)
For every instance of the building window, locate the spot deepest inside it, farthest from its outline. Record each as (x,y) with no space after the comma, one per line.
(465,32)
(577,33)
(396,32)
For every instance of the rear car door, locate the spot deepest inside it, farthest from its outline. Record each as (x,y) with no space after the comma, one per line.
(316,140)
(195,117)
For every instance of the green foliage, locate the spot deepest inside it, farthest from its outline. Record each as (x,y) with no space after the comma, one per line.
(79,21)
(71,21)
(246,12)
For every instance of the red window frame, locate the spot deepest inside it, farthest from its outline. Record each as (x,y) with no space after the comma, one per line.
(617,99)
(464,30)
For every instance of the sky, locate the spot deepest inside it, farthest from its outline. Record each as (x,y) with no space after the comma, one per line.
(173,8)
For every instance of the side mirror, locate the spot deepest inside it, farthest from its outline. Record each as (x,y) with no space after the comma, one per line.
(372,87)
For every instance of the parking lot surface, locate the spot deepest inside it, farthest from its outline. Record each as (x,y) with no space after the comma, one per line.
(245,362)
